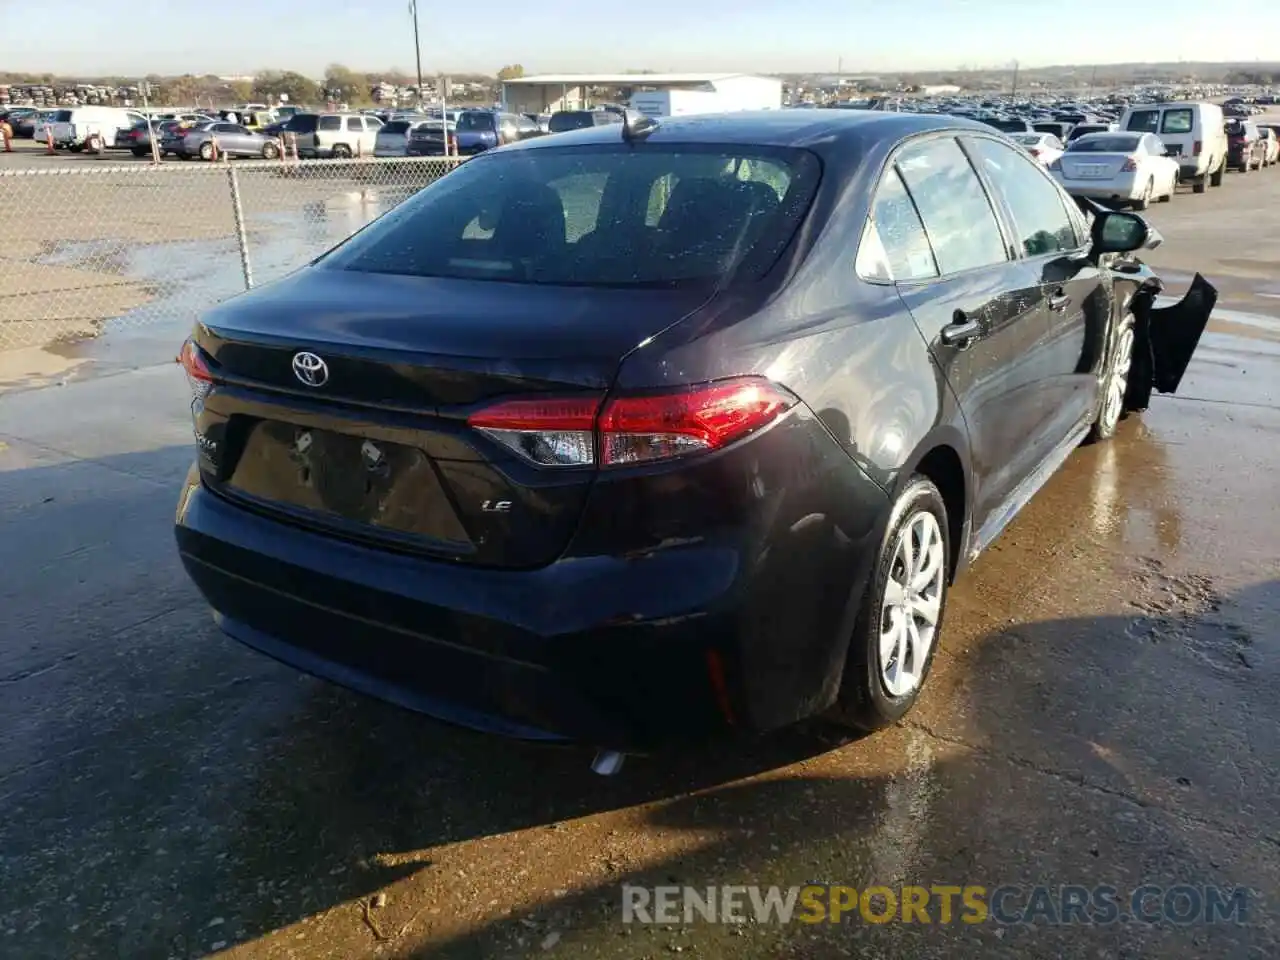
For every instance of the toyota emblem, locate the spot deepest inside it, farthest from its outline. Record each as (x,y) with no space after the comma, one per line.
(310,369)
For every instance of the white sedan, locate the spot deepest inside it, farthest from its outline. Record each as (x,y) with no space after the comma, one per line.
(1045,147)
(1120,167)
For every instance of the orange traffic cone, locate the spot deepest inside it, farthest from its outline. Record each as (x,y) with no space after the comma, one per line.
(48,141)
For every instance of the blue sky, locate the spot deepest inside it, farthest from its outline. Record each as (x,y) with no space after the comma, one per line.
(243,36)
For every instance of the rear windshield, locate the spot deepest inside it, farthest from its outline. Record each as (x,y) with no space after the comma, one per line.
(604,215)
(1008,126)
(1099,144)
(1084,128)
(396,126)
(1028,139)
(62,116)
(475,121)
(570,120)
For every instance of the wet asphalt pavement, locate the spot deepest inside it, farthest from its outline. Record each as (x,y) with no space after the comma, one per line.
(1103,711)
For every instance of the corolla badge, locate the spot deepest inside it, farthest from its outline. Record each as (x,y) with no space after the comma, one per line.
(310,369)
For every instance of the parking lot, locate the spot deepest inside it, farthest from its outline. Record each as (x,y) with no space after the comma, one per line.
(1102,712)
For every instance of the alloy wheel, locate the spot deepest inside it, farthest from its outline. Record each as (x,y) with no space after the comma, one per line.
(912,604)
(1118,380)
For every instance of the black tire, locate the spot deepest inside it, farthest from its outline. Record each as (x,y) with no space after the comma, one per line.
(139,151)
(206,150)
(270,151)
(341,151)
(1215,179)
(1108,421)
(1246,166)
(1145,200)
(864,701)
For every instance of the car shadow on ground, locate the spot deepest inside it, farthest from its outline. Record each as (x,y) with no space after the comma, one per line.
(164,791)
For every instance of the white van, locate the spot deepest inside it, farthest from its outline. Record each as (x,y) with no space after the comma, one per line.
(74,125)
(1193,133)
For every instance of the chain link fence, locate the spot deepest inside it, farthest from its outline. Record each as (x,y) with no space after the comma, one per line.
(83,249)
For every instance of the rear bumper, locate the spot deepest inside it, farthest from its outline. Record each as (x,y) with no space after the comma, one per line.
(1119,189)
(684,641)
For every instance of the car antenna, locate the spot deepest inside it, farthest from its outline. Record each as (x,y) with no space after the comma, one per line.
(636,125)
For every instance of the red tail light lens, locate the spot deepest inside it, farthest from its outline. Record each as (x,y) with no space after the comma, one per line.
(1130,165)
(633,429)
(199,375)
(556,432)
(1195,148)
(637,429)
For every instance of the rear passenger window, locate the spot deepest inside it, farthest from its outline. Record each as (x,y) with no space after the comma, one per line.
(1144,121)
(1039,215)
(330,123)
(355,124)
(902,236)
(961,226)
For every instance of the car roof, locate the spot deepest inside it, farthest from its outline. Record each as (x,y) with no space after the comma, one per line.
(818,130)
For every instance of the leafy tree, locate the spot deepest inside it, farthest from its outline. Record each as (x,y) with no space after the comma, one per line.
(242,90)
(512,71)
(344,83)
(270,84)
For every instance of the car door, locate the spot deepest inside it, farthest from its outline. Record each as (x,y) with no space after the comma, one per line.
(980,316)
(1074,305)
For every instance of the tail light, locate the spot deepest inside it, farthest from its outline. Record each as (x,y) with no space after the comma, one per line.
(1130,165)
(1195,148)
(1034,151)
(630,429)
(197,368)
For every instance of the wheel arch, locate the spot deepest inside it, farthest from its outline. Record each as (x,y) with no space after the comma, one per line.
(943,457)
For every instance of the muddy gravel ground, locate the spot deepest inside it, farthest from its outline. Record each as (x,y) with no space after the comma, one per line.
(1103,712)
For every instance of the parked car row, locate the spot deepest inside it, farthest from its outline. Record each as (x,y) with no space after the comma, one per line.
(1156,146)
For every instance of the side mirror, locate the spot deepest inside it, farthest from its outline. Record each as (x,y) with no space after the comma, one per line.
(1116,231)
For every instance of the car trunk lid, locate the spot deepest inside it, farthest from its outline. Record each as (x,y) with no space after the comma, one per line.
(378,448)
(1092,166)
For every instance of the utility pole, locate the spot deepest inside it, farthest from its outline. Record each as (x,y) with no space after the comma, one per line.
(1014,91)
(417,46)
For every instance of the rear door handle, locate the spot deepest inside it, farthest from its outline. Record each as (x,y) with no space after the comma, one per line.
(1059,302)
(962,332)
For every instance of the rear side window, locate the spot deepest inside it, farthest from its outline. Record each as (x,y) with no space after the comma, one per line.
(1144,121)
(330,123)
(605,215)
(902,236)
(396,126)
(958,218)
(62,116)
(1177,121)
(355,124)
(1039,215)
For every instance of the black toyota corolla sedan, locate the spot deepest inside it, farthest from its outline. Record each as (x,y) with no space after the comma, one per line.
(655,431)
